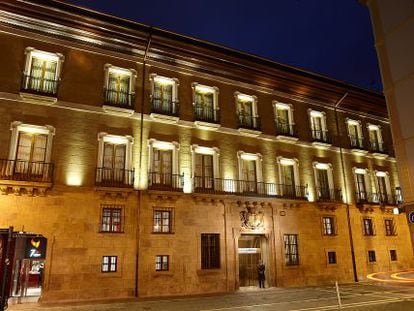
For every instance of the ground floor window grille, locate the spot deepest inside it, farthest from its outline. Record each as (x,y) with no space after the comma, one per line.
(291,249)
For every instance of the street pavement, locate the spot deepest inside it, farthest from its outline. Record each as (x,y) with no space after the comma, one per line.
(365,296)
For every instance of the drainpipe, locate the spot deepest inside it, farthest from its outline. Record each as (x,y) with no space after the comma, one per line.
(141,143)
(348,216)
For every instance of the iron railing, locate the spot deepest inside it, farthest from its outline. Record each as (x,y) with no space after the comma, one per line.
(248,188)
(328,195)
(321,136)
(111,177)
(165,181)
(207,114)
(248,122)
(377,147)
(26,171)
(287,129)
(356,142)
(119,99)
(39,85)
(165,106)
(376,198)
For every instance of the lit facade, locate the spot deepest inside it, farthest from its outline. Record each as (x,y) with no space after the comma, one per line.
(160,165)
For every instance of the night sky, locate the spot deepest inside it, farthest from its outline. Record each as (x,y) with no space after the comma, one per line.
(330,37)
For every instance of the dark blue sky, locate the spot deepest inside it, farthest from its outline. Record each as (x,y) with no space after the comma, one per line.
(329,37)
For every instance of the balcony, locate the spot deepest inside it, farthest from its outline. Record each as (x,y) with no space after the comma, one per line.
(39,86)
(207,114)
(119,99)
(165,107)
(321,136)
(285,129)
(376,198)
(377,147)
(248,188)
(115,178)
(328,195)
(248,122)
(165,181)
(356,142)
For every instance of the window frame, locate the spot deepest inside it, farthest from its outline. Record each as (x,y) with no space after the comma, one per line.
(367,181)
(393,255)
(211,260)
(328,167)
(161,263)
(110,264)
(173,81)
(390,230)
(214,90)
(358,123)
(333,225)
(281,161)
(329,257)
(132,78)
(214,151)
(112,208)
(320,114)
(284,106)
(372,256)
(161,210)
(289,261)
(378,129)
(371,231)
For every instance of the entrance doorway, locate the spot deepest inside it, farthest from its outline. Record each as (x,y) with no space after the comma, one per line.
(251,250)
(27,278)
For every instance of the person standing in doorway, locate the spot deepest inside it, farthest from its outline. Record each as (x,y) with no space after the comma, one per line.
(261,274)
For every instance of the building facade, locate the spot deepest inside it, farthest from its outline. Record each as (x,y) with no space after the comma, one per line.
(393,27)
(158,165)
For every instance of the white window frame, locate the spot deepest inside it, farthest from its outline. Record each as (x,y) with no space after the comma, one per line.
(17,127)
(387,181)
(317,114)
(239,96)
(163,145)
(289,107)
(281,161)
(207,89)
(257,157)
(358,124)
(377,128)
(115,139)
(367,179)
(30,52)
(165,80)
(323,166)
(132,73)
(214,151)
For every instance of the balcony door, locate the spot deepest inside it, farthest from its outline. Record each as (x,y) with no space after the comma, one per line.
(42,74)
(288,180)
(204,172)
(31,154)
(114,162)
(382,189)
(249,176)
(118,87)
(323,183)
(163,97)
(162,167)
(361,187)
(374,139)
(204,105)
(317,128)
(246,113)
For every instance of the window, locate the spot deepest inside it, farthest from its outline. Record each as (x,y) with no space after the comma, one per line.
(205,163)
(318,126)
(328,223)
(162,220)
(42,70)
(163,161)
(362,184)
(393,255)
(324,182)
(112,218)
(109,264)
(384,195)
(210,251)
(289,178)
(250,171)
(291,249)
(355,133)
(206,103)
(368,226)
(114,167)
(389,227)
(331,257)
(375,138)
(371,256)
(284,119)
(247,111)
(162,262)
(164,95)
(119,86)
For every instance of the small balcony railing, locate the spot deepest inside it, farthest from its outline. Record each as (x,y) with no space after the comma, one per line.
(376,198)
(248,122)
(377,147)
(119,99)
(165,106)
(117,178)
(248,188)
(165,181)
(207,114)
(321,136)
(39,85)
(356,142)
(287,129)
(328,195)
(26,171)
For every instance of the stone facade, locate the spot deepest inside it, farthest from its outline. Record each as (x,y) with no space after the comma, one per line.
(68,210)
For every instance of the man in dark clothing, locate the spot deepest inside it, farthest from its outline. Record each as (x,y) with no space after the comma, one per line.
(261,274)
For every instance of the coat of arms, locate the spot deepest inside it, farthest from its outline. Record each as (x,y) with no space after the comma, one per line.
(252,217)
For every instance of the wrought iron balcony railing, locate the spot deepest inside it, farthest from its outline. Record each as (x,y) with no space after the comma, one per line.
(249,122)
(356,142)
(378,147)
(39,85)
(376,198)
(287,129)
(207,114)
(117,178)
(119,99)
(328,195)
(248,188)
(165,106)
(165,181)
(26,171)
(321,136)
